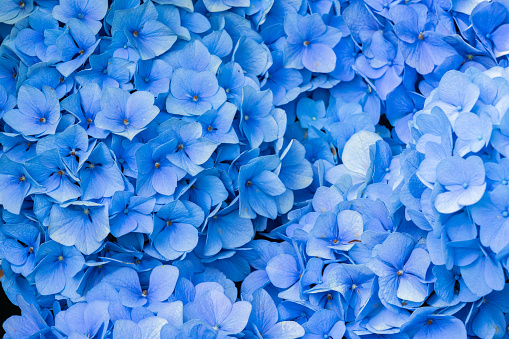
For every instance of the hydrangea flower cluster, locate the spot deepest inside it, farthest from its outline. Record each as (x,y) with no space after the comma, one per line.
(270,169)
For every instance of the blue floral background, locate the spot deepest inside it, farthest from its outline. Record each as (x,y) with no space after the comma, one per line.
(270,169)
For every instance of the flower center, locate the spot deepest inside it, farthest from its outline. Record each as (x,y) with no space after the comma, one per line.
(80,15)
(126,122)
(209,128)
(227,90)
(86,211)
(181,147)
(31,250)
(60,258)
(306,43)
(465,185)
(169,223)
(248,183)
(399,273)
(89,121)
(429,322)
(126,211)
(21,4)
(157,165)
(82,52)
(421,36)
(135,34)
(60,172)
(144,293)
(43,120)
(195,98)
(246,117)
(22,178)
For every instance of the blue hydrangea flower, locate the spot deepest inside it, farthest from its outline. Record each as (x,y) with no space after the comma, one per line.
(30,322)
(226,229)
(217,124)
(20,246)
(85,105)
(38,112)
(491,25)
(156,174)
(107,71)
(125,114)
(464,181)
(401,268)
(32,41)
(218,312)
(455,94)
(74,46)
(263,320)
(90,13)
(257,121)
(194,93)
(189,149)
(53,176)
(148,36)
(175,228)
(334,232)
(325,323)
(81,224)
(15,184)
(424,323)
(57,265)
(160,286)
(13,11)
(258,187)
(84,319)
(309,43)
(153,76)
(231,78)
(421,47)
(100,175)
(130,213)
(492,215)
